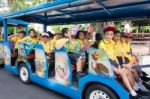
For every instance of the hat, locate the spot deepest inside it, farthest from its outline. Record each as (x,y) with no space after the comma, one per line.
(109,28)
(45,34)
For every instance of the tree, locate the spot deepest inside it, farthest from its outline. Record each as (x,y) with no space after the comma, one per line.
(22,4)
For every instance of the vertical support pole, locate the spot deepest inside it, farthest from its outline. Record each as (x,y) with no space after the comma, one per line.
(5,30)
(45,28)
(15,30)
(26,29)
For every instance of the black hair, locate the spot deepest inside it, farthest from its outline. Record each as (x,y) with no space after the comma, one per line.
(78,34)
(117,31)
(124,35)
(32,30)
(64,30)
(50,34)
(98,38)
(22,32)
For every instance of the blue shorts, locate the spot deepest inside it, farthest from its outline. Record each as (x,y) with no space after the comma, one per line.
(113,63)
(74,57)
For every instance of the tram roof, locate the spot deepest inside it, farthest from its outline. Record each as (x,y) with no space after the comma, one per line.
(81,11)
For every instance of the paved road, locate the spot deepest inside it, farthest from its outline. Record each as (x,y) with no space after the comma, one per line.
(12,88)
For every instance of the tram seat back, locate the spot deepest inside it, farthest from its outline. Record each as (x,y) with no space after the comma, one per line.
(63,67)
(41,64)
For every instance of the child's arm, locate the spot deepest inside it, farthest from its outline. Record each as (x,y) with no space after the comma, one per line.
(60,43)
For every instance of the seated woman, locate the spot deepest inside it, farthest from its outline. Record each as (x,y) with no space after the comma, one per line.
(73,48)
(47,46)
(108,45)
(84,43)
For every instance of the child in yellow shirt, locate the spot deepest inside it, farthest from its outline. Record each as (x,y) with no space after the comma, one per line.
(57,36)
(84,43)
(21,36)
(47,46)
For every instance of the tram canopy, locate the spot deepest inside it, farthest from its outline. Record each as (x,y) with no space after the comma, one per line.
(81,11)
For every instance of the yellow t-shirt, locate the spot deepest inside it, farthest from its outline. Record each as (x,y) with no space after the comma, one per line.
(81,42)
(108,46)
(29,39)
(14,38)
(47,47)
(17,42)
(119,50)
(53,42)
(127,48)
(1,38)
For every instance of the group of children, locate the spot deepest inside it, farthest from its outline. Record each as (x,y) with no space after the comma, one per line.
(118,48)
(116,44)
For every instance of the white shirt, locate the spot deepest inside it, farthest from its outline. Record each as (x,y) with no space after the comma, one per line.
(127,28)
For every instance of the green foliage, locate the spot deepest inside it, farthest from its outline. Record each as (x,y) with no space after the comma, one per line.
(22,4)
(58,28)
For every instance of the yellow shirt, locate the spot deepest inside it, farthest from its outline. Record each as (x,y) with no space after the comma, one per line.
(84,42)
(47,47)
(108,47)
(127,48)
(14,38)
(119,50)
(81,42)
(53,42)
(1,38)
(17,42)
(29,39)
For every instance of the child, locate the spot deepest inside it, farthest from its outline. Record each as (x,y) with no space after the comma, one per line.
(84,44)
(21,36)
(57,36)
(47,46)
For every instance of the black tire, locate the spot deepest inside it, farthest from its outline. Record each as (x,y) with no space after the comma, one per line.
(26,73)
(104,91)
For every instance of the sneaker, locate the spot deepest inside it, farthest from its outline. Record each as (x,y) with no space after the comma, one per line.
(133,93)
(143,88)
(136,88)
(143,93)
